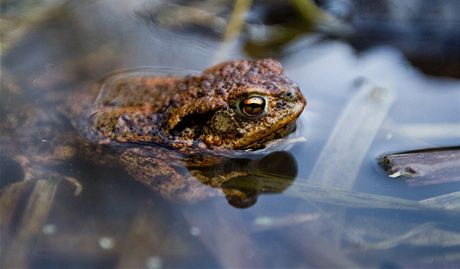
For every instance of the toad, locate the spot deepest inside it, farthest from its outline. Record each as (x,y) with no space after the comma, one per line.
(155,126)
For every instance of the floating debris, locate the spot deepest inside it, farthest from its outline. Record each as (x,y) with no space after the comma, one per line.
(424,167)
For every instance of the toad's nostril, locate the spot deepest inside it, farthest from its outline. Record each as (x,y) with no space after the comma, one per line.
(290,95)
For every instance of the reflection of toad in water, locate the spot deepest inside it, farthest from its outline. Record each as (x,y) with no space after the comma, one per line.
(240,178)
(272,173)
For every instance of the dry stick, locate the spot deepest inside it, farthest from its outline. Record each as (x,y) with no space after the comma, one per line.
(429,130)
(9,199)
(449,201)
(234,27)
(352,199)
(237,19)
(340,197)
(35,215)
(143,240)
(341,158)
(355,199)
(423,235)
(315,16)
(14,29)
(311,13)
(424,167)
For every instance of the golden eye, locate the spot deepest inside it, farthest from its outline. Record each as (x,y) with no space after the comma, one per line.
(253,106)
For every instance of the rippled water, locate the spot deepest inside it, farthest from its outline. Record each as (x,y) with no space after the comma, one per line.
(339,208)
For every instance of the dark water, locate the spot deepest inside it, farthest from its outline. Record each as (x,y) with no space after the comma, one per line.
(340,211)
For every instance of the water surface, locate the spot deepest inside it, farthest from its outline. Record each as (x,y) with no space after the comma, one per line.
(341,210)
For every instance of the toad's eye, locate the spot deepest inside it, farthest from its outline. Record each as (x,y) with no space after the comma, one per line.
(253,106)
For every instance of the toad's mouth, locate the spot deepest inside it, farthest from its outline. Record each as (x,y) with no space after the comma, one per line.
(264,140)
